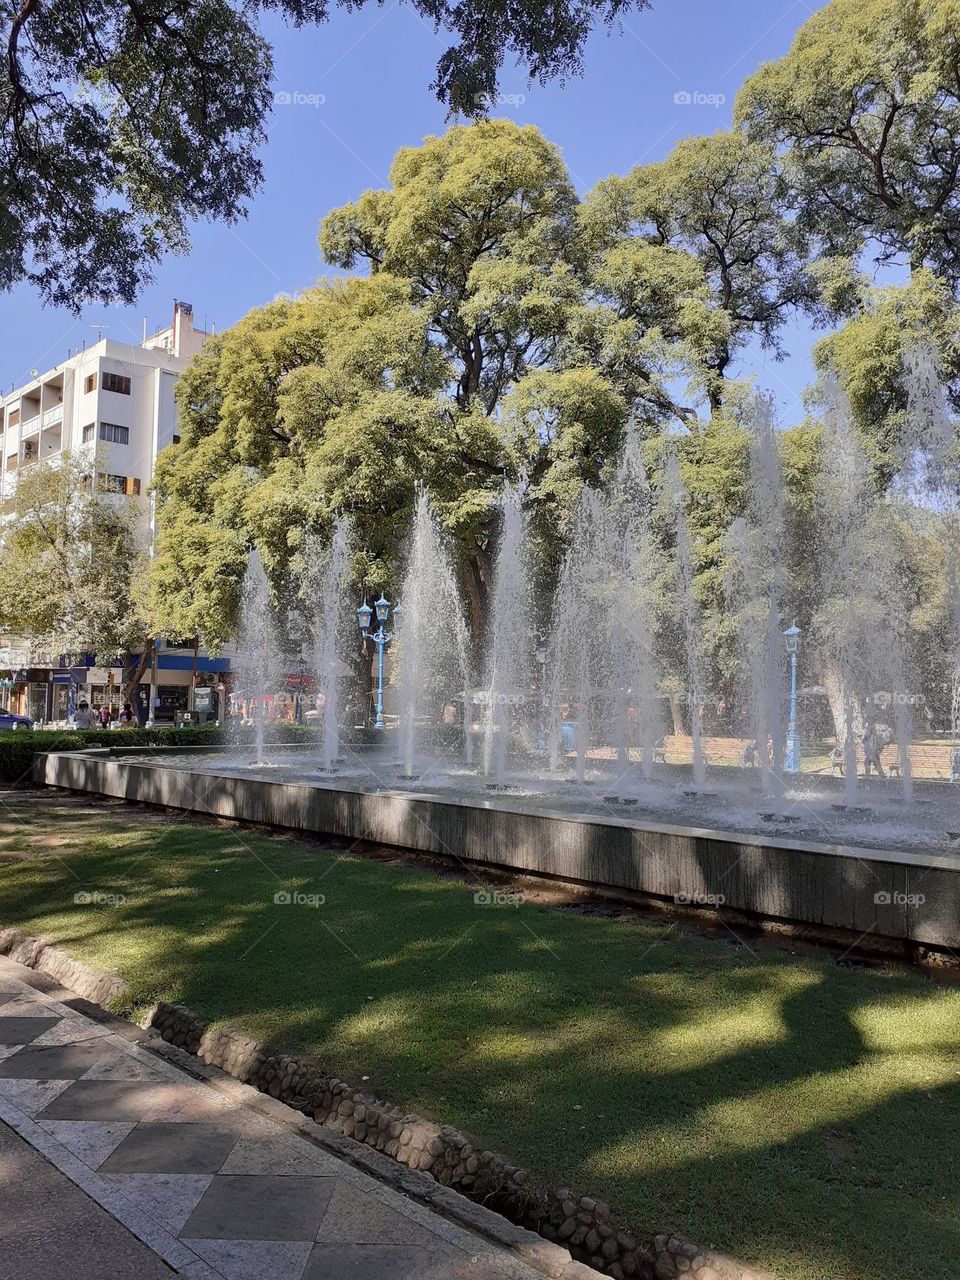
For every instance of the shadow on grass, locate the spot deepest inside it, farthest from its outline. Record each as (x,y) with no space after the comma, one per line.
(800,1115)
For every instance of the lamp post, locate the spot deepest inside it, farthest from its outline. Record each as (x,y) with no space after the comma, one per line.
(791,643)
(380,638)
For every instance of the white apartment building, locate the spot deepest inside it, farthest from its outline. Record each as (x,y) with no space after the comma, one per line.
(116,399)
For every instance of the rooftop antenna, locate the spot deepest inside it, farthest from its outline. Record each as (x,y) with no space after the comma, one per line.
(144,331)
(100,326)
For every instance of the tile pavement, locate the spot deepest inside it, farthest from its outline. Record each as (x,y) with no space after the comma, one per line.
(217,1190)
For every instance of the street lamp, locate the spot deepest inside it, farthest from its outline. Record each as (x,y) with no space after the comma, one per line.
(380,638)
(791,643)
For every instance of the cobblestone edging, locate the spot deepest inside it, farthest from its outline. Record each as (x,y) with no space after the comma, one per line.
(94,985)
(573,1223)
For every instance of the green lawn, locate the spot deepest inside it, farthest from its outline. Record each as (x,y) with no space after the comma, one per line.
(799,1114)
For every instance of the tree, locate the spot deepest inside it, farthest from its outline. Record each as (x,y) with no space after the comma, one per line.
(70,561)
(307,406)
(122,120)
(870,356)
(865,107)
(485,344)
(724,201)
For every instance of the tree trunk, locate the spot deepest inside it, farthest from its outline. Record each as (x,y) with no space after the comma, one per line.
(477,600)
(676,712)
(837,695)
(134,674)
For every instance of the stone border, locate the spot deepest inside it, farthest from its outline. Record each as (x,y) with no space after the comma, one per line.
(555,1224)
(95,985)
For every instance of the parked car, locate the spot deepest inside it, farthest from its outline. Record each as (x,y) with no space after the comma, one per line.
(10,721)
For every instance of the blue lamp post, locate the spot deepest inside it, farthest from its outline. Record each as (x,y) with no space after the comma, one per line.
(791,643)
(380,638)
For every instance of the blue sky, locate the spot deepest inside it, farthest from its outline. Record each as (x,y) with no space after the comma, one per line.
(358,92)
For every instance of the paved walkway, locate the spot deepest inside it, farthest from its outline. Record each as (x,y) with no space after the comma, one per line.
(213,1188)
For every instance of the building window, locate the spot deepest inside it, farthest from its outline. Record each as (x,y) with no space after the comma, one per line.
(114,434)
(14,419)
(116,382)
(129,485)
(88,431)
(90,382)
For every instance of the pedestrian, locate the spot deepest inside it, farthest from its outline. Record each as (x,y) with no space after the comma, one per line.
(83,717)
(127,718)
(105,715)
(837,761)
(871,753)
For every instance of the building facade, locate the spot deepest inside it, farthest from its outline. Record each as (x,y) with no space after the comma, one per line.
(116,400)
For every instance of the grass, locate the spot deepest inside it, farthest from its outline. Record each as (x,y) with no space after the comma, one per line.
(799,1114)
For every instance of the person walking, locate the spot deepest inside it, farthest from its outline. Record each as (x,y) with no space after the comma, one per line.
(105,715)
(871,753)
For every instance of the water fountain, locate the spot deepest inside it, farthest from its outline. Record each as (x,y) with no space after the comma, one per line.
(624,626)
(676,498)
(431,651)
(756,589)
(600,657)
(860,619)
(325,588)
(257,651)
(506,686)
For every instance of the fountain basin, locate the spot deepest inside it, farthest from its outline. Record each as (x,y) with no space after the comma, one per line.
(832,887)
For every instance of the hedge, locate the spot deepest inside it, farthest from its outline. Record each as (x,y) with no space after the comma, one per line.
(19,746)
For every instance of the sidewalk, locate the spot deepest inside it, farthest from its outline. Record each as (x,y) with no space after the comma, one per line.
(215,1189)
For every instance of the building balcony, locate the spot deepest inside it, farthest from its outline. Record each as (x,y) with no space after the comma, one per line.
(53,416)
(30,426)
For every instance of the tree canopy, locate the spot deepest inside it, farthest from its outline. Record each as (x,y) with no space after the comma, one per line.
(489,341)
(72,561)
(123,120)
(865,108)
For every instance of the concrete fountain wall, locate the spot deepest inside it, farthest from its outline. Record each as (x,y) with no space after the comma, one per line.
(876,898)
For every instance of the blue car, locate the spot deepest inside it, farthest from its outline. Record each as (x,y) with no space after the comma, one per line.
(10,721)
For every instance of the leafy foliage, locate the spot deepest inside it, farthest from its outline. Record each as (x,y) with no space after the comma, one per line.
(70,560)
(866,107)
(122,120)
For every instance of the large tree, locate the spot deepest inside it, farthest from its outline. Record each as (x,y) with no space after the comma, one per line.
(865,108)
(486,343)
(724,201)
(123,120)
(72,564)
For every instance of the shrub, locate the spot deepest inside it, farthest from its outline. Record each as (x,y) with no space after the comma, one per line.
(18,747)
